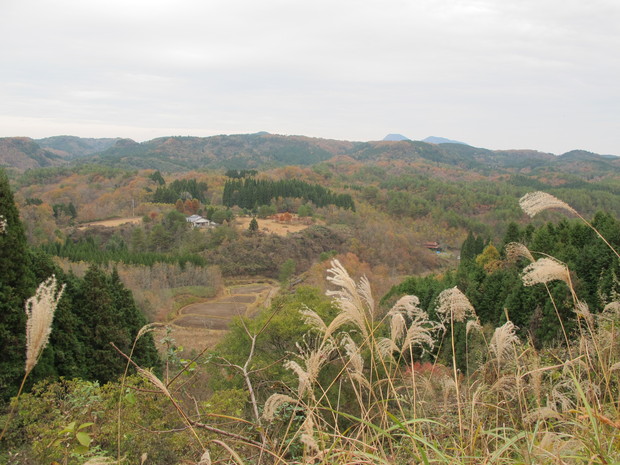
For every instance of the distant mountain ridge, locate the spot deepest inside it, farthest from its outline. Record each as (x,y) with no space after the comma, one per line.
(441,140)
(395,137)
(263,151)
(72,146)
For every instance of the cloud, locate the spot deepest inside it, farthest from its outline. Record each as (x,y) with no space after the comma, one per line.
(539,74)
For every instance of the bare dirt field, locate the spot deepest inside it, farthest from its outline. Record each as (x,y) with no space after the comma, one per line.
(199,322)
(113,223)
(248,289)
(271,226)
(214,309)
(245,299)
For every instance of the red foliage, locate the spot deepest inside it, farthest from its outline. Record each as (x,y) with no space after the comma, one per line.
(428,369)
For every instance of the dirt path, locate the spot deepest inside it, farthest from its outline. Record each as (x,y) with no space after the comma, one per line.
(204,323)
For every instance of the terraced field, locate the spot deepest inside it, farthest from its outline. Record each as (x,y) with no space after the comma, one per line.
(204,323)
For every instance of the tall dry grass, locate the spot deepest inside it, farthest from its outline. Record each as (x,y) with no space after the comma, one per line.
(40,310)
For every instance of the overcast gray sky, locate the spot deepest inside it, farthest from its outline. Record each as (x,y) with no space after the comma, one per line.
(540,74)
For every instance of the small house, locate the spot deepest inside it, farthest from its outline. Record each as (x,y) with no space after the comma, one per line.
(432,245)
(198,221)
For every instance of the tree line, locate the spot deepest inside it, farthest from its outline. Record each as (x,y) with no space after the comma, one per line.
(180,189)
(251,193)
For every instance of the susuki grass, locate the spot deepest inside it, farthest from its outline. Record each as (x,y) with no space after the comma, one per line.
(40,311)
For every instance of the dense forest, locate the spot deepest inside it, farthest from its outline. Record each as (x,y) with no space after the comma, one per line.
(424,309)
(251,193)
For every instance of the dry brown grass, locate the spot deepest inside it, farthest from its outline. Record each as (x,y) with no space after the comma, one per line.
(113,223)
(271,226)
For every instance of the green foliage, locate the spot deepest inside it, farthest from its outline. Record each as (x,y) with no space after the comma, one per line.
(219,215)
(181,189)
(17,283)
(472,246)
(286,270)
(55,418)
(108,314)
(93,313)
(305,210)
(33,201)
(489,258)
(265,211)
(73,439)
(251,193)
(158,241)
(221,235)
(158,178)
(284,327)
(68,210)
(229,402)
(495,288)
(253,226)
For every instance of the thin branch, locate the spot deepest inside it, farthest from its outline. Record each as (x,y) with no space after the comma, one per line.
(186,367)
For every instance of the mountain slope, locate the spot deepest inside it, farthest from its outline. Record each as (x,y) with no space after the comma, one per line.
(233,152)
(24,153)
(72,146)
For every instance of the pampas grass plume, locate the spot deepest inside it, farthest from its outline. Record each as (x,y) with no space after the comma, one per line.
(205,459)
(503,340)
(516,250)
(544,270)
(473,325)
(148,328)
(355,302)
(155,381)
(273,403)
(312,318)
(40,312)
(454,306)
(536,202)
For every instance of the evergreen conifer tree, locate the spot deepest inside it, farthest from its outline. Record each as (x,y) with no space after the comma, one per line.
(16,285)
(253,227)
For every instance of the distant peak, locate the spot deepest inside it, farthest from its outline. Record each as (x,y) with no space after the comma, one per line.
(442,140)
(125,143)
(396,137)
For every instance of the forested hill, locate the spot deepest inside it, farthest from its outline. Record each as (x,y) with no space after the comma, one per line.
(22,153)
(262,150)
(73,147)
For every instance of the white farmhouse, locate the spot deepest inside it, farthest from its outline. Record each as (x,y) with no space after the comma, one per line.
(198,221)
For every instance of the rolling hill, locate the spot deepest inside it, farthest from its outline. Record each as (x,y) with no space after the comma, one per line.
(22,153)
(263,150)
